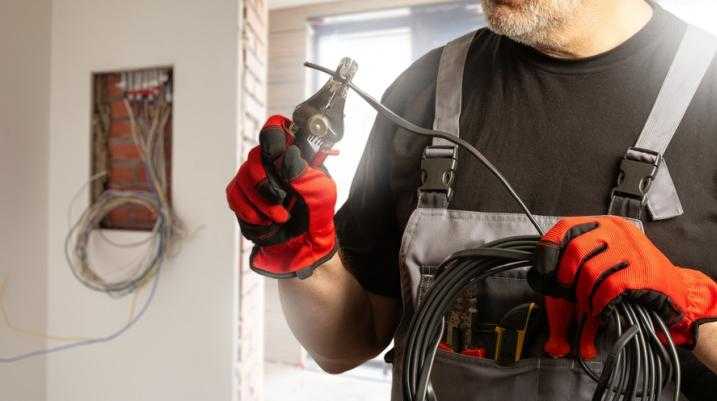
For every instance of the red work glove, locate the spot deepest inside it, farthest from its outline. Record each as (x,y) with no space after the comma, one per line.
(275,178)
(598,261)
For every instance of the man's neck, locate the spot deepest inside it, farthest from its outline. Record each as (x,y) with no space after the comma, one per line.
(598,27)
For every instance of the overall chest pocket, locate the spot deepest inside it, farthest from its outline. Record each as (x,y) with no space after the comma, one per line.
(535,377)
(477,312)
(457,376)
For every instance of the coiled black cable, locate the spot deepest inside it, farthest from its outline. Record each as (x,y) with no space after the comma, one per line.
(646,363)
(633,369)
(635,366)
(456,273)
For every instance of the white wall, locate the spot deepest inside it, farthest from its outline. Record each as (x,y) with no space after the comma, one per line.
(184,348)
(24,116)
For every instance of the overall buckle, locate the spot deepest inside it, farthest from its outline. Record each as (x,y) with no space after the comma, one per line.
(637,173)
(438,171)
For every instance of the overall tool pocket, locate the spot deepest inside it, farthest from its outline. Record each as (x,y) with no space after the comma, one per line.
(532,379)
(506,368)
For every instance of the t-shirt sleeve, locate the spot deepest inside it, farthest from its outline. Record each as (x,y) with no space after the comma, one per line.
(365,224)
(369,226)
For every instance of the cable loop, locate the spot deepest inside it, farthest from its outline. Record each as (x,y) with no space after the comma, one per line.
(147,127)
(633,369)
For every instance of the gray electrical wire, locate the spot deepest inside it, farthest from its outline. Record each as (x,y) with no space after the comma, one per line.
(165,231)
(147,133)
(99,340)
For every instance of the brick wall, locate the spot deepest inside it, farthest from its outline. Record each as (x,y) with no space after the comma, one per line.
(254,18)
(115,153)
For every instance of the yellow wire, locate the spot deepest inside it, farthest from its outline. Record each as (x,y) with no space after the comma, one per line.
(39,334)
(133,303)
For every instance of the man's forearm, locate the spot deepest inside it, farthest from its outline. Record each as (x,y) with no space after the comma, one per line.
(335,319)
(706,349)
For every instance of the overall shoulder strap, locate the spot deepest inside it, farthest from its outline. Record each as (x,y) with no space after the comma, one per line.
(645,181)
(439,160)
(449,86)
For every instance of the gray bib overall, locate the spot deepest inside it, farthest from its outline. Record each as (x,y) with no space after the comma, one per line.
(645,190)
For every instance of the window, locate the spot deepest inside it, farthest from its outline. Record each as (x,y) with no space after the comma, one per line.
(384,44)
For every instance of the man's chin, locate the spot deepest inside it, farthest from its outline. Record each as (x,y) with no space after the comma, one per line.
(508,3)
(516,19)
(528,21)
(501,12)
(505,19)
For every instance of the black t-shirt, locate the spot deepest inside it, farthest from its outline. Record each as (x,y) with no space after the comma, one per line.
(557,129)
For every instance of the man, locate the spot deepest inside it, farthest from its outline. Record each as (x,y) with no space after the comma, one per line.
(553,94)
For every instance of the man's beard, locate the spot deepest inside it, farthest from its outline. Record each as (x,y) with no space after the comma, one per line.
(533,22)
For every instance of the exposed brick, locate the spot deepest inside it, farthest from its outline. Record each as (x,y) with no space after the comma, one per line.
(113,78)
(142,216)
(255,25)
(142,181)
(126,169)
(118,109)
(117,216)
(142,173)
(120,128)
(123,150)
(130,186)
(252,115)
(251,129)
(255,89)
(130,216)
(114,91)
(122,175)
(255,66)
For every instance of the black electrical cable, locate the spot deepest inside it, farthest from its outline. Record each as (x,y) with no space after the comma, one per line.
(418,130)
(604,383)
(457,272)
(619,370)
(636,356)
(644,365)
(674,357)
(648,376)
(648,372)
(662,358)
(629,372)
(635,365)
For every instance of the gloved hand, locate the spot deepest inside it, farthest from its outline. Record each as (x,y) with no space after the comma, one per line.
(291,237)
(590,263)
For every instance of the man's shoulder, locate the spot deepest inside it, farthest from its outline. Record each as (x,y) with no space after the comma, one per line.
(421,76)
(418,77)
(707,42)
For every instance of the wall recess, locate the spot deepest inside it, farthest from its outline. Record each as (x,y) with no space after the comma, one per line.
(117,162)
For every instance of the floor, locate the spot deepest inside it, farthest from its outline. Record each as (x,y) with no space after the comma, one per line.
(366,383)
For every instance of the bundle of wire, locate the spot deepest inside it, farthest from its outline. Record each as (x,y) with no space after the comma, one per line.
(147,133)
(147,129)
(637,366)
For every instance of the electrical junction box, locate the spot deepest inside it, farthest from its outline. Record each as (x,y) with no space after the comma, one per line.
(117,163)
